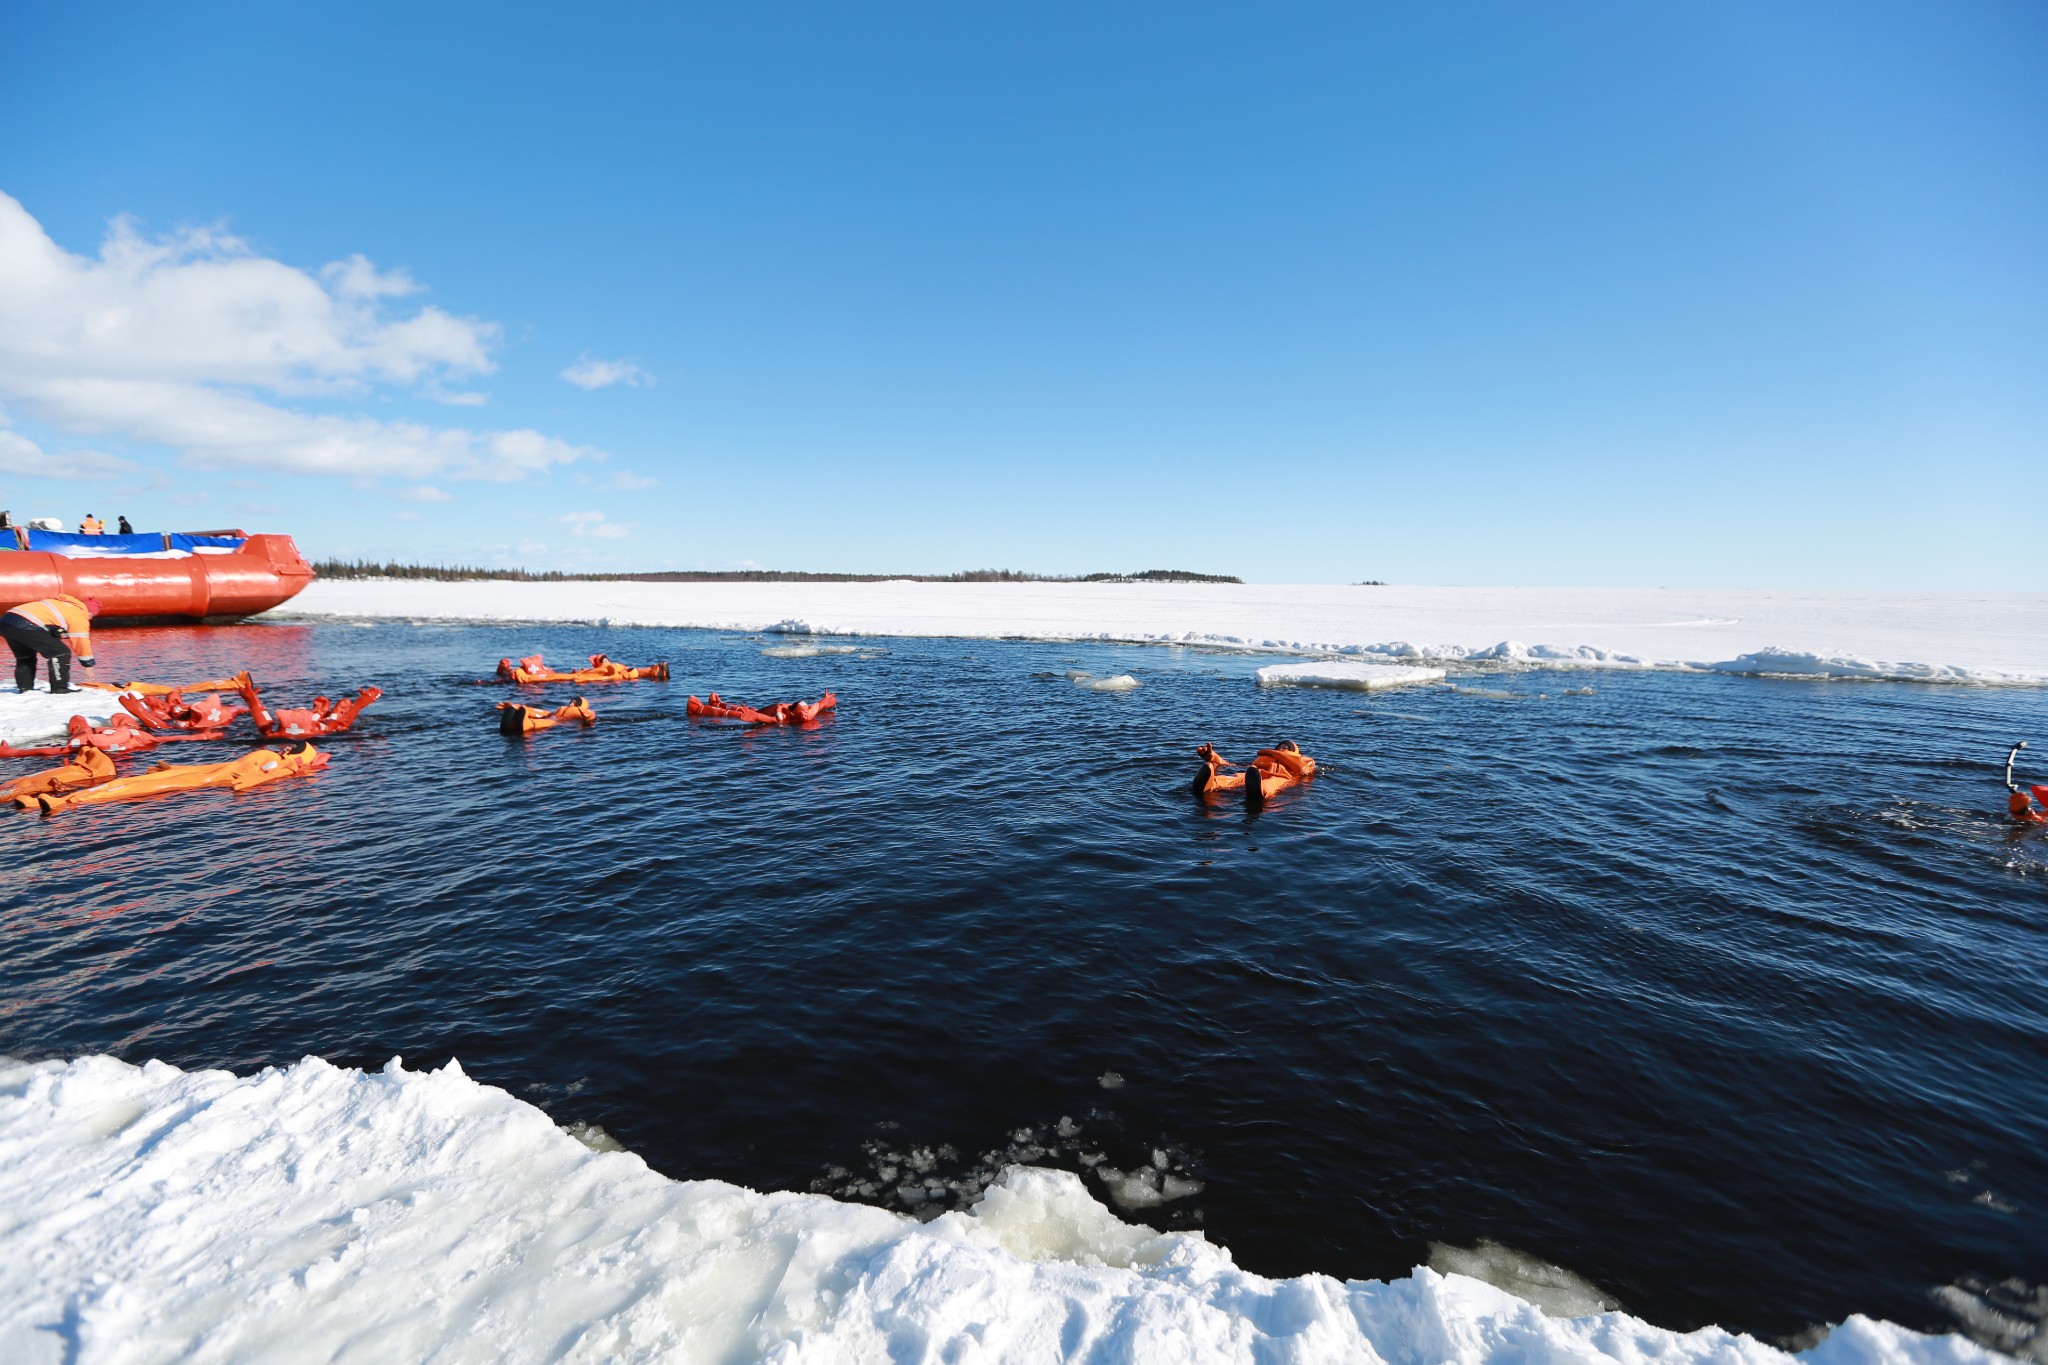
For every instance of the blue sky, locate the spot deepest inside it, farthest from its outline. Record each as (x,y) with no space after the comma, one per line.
(1583,293)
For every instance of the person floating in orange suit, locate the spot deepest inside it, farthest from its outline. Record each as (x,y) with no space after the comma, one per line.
(516,719)
(87,768)
(323,717)
(170,711)
(252,769)
(120,735)
(1271,772)
(533,669)
(715,707)
(2020,803)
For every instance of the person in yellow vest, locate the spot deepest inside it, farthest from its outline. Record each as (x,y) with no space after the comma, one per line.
(53,628)
(92,526)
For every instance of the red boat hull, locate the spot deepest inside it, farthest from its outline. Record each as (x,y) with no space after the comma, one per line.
(264,572)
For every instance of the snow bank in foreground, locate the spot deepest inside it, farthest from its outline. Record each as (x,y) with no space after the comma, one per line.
(38,717)
(1353,677)
(320,1213)
(1957,637)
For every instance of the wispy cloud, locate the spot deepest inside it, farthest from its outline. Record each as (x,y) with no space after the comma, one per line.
(594,524)
(22,457)
(627,482)
(425,492)
(591,373)
(171,340)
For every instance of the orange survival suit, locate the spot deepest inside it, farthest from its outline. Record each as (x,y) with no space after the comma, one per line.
(515,719)
(252,769)
(56,628)
(532,669)
(324,717)
(1275,769)
(150,689)
(170,711)
(715,707)
(120,735)
(87,768)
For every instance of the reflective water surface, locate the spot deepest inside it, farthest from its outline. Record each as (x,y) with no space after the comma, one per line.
(1729,994)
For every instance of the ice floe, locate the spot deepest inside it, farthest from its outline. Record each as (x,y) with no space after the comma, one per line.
(317,1212)
(1354,677)
(1088,682)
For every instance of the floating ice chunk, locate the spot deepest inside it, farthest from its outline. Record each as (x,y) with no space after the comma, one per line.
(808,651)
(1122,682)
(1147,1186)
(593,1137)
(1555,1290)
(1356,677)
(1040,1215)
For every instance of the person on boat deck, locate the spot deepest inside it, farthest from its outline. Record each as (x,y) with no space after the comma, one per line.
(125,528)
(53,628)
(92,526)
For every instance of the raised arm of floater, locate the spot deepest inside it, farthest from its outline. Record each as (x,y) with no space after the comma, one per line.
(2010,755)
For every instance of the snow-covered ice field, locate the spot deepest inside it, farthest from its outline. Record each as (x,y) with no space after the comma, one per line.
(1936,637)
(316,1213)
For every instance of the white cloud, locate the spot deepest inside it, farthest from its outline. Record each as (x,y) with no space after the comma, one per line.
(21,456)
(627,482)
(590,373)
(594,524)
(405,516)
(425,492)
(162,340)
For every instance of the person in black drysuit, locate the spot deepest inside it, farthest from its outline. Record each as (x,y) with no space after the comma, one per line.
(126,529)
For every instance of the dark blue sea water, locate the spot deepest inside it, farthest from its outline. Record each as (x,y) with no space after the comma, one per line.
(1729,994)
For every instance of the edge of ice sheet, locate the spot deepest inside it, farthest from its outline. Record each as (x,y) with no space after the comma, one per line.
(1351,676)
(316,1212)
(31,717)
(1999,639)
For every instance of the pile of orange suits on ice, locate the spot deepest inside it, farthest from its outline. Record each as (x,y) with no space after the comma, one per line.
(781,713)
(532,669)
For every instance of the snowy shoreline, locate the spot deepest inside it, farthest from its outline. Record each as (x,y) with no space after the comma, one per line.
(1980,638)
(316,1212)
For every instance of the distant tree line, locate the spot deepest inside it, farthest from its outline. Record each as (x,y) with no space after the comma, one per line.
(458,573)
